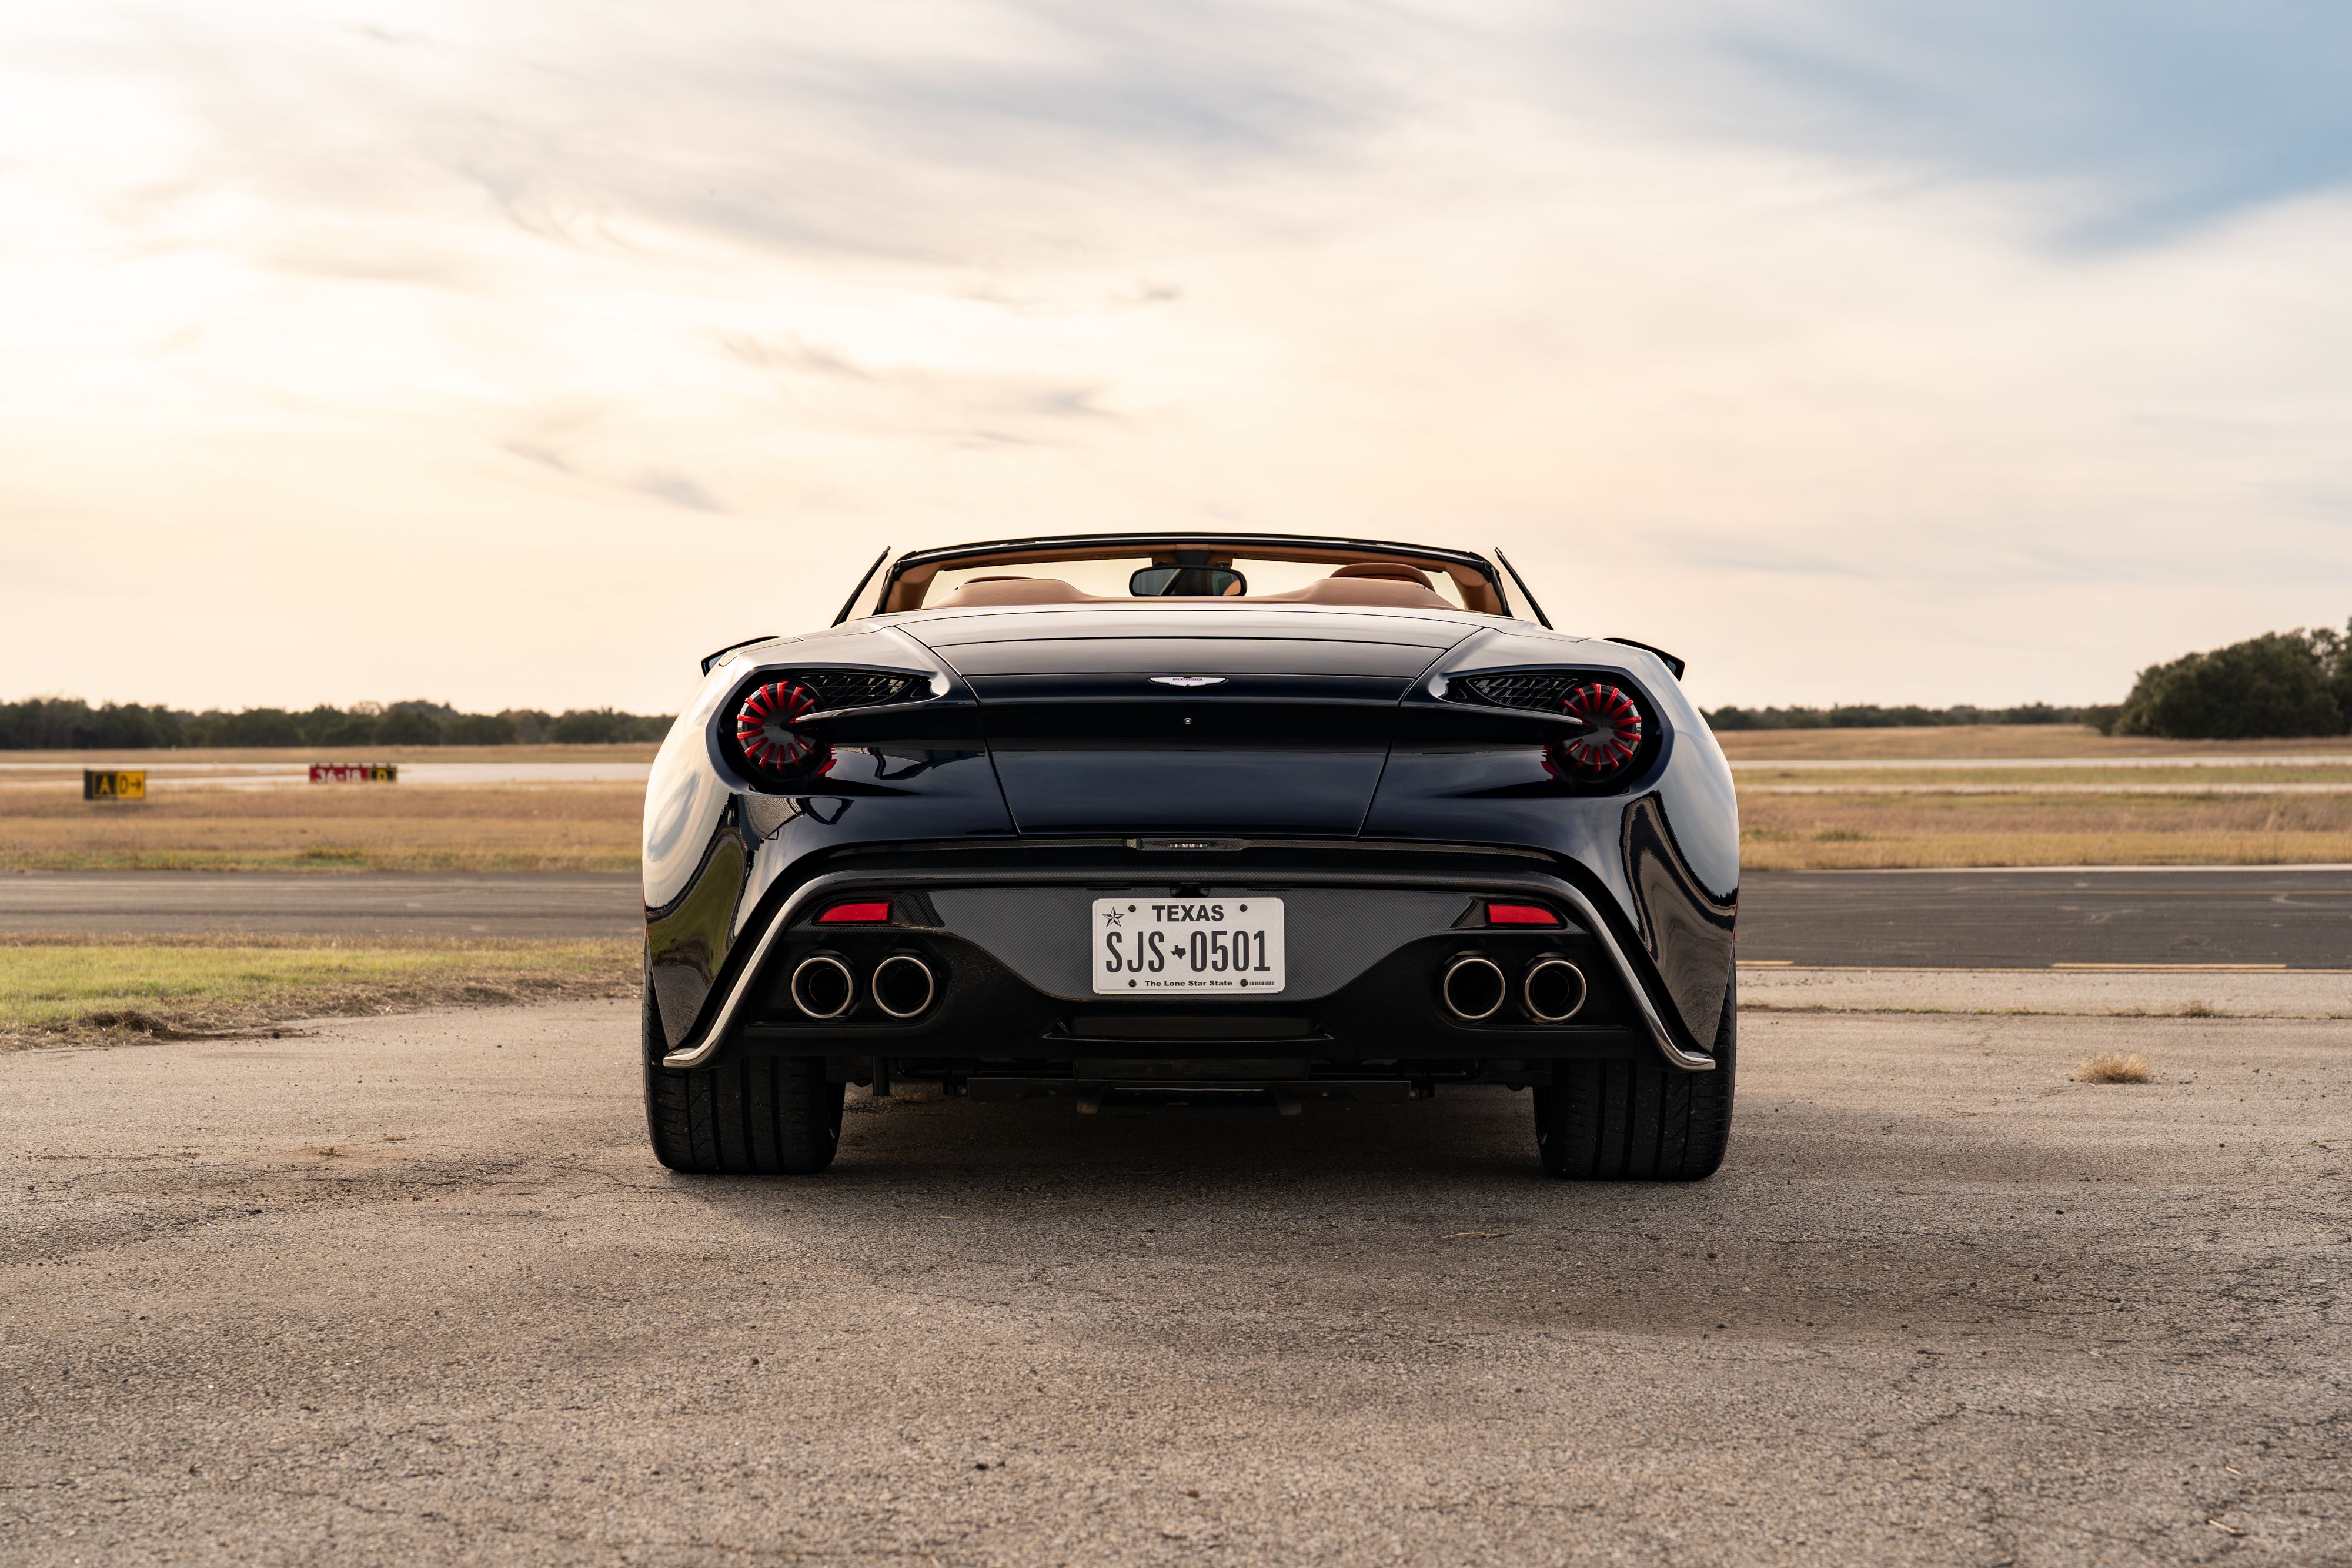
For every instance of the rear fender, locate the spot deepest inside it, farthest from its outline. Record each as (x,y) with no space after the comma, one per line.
(1663,847)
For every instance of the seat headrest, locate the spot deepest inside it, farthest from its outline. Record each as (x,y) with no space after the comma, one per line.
(1394,571)
(989,591)
(1364,592)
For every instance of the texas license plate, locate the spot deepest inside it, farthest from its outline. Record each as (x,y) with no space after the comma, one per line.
(1145,945)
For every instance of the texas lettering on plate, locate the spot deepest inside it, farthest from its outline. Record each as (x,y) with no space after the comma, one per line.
(1143,943)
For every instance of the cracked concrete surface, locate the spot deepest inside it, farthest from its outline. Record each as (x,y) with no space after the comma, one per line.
(412,1289)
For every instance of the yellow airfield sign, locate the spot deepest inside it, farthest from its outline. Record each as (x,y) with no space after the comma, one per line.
(113,784)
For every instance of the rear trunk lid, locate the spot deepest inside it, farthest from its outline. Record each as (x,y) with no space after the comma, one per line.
(1153,720)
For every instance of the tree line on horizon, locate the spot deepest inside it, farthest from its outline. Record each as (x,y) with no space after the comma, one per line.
(1865,715)
(2276,687)
(69,724)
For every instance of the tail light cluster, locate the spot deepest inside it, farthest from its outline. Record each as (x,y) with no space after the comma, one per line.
(764,728)
(1615,735)
(1618,733)
(767,732)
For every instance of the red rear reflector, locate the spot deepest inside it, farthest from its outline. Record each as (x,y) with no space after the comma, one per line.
(856,915)
(1509,915)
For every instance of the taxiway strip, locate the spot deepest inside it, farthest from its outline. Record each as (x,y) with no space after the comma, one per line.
(2035,919)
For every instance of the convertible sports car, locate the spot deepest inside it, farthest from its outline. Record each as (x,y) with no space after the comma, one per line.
(1204,817)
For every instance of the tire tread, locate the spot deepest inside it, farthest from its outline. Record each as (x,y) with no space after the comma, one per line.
(749,1115)
(1639,1120)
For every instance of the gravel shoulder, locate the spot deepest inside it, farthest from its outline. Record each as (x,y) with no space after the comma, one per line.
(2119,992)
(412,1289)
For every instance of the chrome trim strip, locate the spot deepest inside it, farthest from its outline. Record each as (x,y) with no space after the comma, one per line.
(817,887)
(1689,1061)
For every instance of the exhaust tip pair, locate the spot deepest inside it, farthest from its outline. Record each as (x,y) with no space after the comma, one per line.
(825,988)
(1473,988)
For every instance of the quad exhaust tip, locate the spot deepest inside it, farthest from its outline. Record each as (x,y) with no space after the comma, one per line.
(822,987)
(1473,988)
(1553,990)
(904,986)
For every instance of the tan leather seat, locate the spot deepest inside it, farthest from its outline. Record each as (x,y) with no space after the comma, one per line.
(1364,592)
(987,591)
(1396,569)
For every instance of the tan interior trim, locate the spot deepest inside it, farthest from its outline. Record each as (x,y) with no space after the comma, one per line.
(1363,593)
(908,590)
(1399,572)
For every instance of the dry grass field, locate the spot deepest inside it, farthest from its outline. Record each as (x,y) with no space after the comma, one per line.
(2054,775)
(2017,740)
(397,826)
(2209,810)
(1817,833)
(63,989)
(65,763)
(2030,811)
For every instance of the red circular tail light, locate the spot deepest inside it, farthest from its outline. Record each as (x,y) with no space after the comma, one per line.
(1613,740)
(764,728)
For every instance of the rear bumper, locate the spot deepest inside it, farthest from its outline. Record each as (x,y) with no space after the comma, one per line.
(1005,1012)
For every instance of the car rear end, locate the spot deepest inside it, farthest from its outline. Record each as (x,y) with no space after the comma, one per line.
(1186,854)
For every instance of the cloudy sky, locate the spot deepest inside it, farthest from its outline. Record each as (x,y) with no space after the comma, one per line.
(515,353)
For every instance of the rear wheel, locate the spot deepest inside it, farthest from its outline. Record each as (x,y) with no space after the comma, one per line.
(755,1115)
(1639,1121)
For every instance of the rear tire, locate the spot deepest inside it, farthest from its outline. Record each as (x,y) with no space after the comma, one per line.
(754,1115)
(1639,1121)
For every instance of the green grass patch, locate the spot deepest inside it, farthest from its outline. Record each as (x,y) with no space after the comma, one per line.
(59,989)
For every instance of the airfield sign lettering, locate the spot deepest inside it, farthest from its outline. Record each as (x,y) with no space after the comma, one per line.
(113,784)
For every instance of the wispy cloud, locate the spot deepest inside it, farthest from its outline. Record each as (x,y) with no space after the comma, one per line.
(2146,117)
(676,489)
(1960,340)
(959,402)
(538,451)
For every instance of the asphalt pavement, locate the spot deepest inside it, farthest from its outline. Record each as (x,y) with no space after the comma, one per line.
(411,1289)
(2004,919)
(2033,919)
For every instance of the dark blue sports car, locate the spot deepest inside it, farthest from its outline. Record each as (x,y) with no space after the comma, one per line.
(1201,816)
